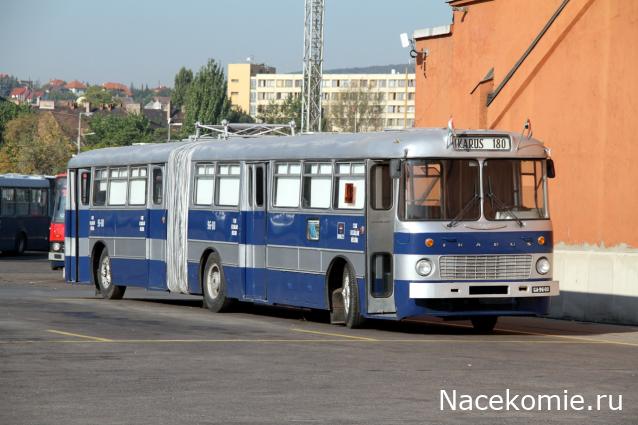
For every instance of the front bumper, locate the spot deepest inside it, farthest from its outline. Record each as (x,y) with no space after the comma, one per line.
(451,290)
(56,256)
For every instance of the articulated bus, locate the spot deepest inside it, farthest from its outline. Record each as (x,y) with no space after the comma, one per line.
(387,225)
(24,213)
(56,230)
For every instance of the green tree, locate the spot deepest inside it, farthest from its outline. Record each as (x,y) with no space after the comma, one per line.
(206,99)
(282,112)
(118,130)
(9,111)
(183,80)
(356,110)
(8,83)
(97,96)
(35,144)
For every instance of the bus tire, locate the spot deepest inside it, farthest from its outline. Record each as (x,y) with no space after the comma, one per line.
(350,293)
(214,286)
(108,289)
(20,244)
(484,324)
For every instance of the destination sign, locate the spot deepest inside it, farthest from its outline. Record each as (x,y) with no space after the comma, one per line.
(479,143)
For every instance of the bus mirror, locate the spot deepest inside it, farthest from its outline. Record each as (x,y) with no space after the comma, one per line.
(551,171)
(395,168)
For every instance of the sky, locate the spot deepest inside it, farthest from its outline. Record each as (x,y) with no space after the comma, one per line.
(148,41)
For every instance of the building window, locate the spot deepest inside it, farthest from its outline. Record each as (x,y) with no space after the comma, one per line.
(382,84)
(411,82)
(410,96)
(289,83)
(287,184)
(297,83)
(234,80)
(392,83)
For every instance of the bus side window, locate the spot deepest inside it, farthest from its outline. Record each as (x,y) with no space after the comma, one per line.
(137,186)
(158,188)
(99,188)
(22,202)
(85,184)
(227,185)
(8,206)
(38,207)
(381,187)
(287,184)
(204,182)
(349,186)
(317,182)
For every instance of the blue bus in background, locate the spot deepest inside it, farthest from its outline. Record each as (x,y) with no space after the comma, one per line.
(386,225)
(24,213)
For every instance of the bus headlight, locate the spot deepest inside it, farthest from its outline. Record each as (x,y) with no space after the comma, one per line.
(542,265)
(424,267)
(56,246)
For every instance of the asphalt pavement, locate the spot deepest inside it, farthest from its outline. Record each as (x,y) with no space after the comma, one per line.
(68,357)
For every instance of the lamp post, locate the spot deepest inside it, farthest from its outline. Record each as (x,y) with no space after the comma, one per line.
(88,114)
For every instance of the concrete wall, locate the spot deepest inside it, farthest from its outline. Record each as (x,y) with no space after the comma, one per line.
(579,89)
(597,284)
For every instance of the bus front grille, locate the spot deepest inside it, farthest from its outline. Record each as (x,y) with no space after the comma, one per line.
(485,267)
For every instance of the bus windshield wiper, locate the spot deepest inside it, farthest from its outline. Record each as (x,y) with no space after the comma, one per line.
(465,209)
(501,205)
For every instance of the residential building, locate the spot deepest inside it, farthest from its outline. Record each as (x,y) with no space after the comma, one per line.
(238,86)
(117,88)
(394,92)
(570,68)
(161,103)
(78,88)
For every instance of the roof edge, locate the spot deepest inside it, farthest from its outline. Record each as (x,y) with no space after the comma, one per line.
(433,31)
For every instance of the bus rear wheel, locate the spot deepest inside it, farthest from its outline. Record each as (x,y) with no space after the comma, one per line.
(484,324)
(108,289)
(350,293)
(214,286)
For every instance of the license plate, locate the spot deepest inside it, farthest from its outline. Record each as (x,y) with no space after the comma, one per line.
(540,289)
(474,143)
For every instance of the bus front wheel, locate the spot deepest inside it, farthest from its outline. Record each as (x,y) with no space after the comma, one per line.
(350,293)
(108,289)
(214,286)
(484,324)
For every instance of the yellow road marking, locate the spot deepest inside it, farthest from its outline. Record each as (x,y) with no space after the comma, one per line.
(92,338)
(359,338)
(571,337)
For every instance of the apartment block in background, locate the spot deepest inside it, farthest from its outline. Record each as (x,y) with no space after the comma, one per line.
(393,92)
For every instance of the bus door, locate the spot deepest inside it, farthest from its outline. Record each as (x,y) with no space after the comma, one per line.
(380,216)
(256,224)
(76,226)
(156,233)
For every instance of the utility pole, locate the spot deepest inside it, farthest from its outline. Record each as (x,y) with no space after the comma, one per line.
(88,114)
(312,66)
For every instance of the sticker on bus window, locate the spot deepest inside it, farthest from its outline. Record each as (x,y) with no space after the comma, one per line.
(348,196)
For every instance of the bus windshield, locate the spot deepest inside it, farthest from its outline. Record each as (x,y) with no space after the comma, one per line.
(60,200)
(441,189)
(514,189)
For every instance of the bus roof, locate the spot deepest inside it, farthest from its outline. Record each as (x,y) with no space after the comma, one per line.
(23,180)
(409,143)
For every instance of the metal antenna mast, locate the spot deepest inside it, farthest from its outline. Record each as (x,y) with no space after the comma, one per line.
(312,66)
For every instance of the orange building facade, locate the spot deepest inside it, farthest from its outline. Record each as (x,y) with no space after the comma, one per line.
(571,67)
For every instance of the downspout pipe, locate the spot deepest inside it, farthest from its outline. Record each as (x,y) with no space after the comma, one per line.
(518,63)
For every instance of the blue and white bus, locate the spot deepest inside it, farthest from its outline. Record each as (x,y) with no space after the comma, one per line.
(386,225)
(24,213)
